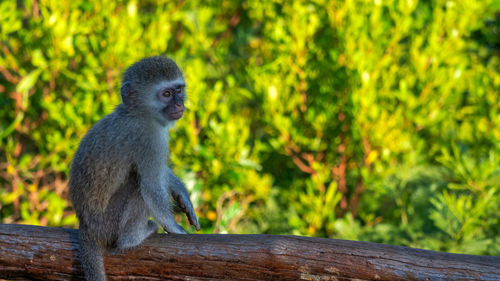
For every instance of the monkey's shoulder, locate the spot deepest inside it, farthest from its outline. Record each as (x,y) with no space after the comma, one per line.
(112,129)
(120,137)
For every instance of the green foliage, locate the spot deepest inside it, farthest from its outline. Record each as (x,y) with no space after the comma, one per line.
(367,120)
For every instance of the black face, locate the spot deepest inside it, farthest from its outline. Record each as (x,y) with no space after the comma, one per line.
(172,97)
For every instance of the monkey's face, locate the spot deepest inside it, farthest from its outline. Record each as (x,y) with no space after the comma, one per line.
(171,96)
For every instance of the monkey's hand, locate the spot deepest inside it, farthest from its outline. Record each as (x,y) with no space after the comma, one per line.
(184,203)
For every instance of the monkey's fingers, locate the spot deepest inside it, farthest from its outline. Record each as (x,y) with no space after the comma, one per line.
(193,220)
(187,208)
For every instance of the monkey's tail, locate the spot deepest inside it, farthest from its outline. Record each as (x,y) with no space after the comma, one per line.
(91,255)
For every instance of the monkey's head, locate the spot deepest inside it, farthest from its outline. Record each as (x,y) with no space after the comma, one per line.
(155,86)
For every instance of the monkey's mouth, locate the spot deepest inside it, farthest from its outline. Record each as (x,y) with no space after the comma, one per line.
(174,115)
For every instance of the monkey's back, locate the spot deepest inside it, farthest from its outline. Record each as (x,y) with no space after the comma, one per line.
(100,166)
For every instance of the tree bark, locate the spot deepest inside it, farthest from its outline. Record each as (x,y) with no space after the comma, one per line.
(45,253)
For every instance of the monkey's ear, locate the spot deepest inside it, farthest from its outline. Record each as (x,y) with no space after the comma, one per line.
(126,92)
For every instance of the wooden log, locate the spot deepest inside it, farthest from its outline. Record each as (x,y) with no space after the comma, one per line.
(45,253)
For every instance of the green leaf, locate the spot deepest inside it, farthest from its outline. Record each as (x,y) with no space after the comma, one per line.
(28,81)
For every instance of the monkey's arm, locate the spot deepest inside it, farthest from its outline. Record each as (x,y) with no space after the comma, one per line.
(155,196)
(181,196)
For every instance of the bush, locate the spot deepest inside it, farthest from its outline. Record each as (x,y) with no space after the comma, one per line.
(374,121)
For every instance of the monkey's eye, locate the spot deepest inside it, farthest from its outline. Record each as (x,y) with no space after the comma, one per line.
(179,90)
(167,93)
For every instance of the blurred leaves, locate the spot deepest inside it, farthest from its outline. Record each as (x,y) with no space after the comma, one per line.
(368,120)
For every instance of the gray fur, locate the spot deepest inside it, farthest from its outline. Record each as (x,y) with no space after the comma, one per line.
(119,176)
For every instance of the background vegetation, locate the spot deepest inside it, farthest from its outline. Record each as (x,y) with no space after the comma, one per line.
(366,120)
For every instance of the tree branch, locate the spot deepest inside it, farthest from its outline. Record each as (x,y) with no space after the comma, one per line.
(34,252)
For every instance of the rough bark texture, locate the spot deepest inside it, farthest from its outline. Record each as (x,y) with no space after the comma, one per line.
(43,253)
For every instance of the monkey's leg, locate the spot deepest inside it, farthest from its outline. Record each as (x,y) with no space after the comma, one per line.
(135,227)
(135,235)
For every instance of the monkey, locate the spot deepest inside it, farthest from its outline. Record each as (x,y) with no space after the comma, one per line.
(119,177)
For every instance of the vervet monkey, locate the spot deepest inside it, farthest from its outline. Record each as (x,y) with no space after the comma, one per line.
(119,177)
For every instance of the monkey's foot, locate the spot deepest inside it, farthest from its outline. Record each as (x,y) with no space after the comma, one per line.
(174,228)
